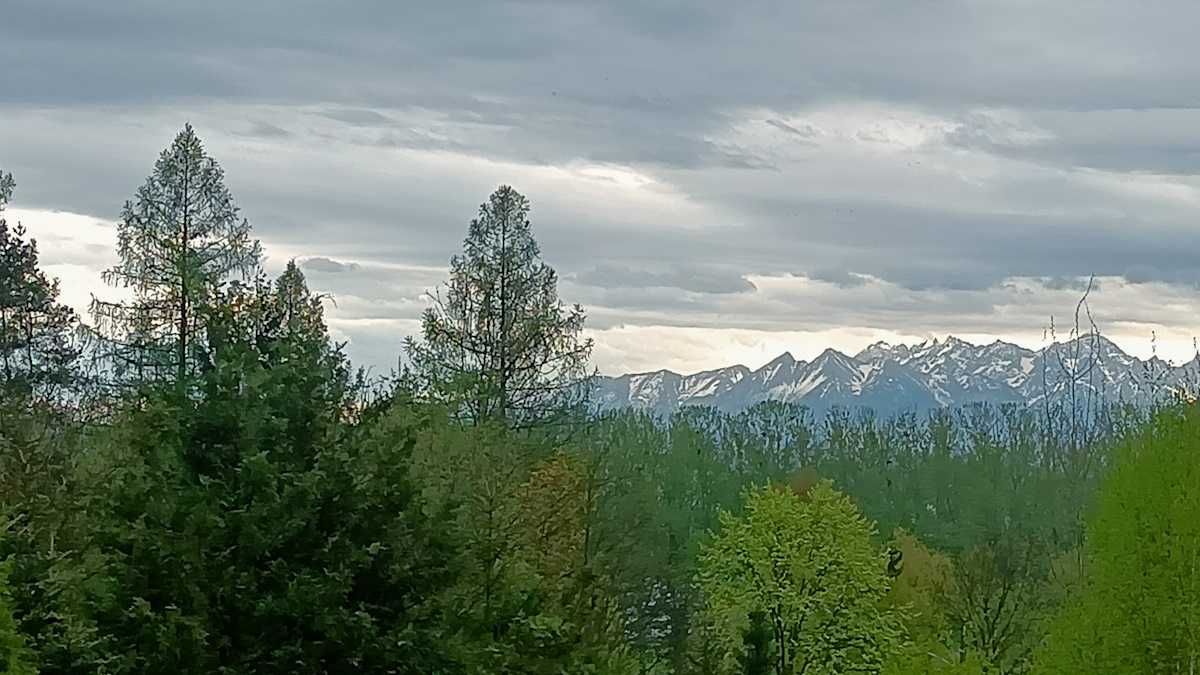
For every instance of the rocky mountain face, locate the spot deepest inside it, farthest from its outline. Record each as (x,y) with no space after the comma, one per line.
(899,378)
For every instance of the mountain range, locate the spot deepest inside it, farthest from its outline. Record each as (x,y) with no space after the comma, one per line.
(897,378)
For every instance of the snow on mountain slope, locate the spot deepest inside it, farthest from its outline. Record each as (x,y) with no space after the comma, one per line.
(708,387)
(771,382)
(831,377)
(895,378)
(892,388)
(959,372)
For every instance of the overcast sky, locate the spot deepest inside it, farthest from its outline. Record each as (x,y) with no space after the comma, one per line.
(715,181)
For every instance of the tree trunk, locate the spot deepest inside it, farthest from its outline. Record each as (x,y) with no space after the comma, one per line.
(184,243)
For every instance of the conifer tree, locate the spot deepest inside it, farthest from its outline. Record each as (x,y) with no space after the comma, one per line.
(297,310)
(179,240)
(36,347)
(14,654)
(500,344)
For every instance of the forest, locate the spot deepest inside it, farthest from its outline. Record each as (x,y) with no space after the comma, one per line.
(196,479)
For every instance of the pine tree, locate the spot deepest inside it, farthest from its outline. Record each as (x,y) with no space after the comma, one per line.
(179,240)
(499,344)
(37,352)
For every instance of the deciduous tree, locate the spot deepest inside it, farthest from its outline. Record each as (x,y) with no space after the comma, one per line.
(499,344)
(179,240)
(809,565)
(1138,610)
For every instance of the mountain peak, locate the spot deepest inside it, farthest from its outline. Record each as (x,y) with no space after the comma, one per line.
(738,369)
(784,359)
(888,377)
(831,353)
(883,351)
(832,358)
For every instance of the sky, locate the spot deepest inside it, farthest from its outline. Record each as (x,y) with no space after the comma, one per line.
(715,182)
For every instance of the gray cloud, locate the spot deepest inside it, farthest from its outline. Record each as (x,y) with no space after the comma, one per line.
(261,129)
(694,279)
(359,117)
(1077,284)
(925,153)
(806,131)
(838,277)
(328,265)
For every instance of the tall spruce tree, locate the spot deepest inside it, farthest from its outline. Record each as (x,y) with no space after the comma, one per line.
(179,240)
(295,311)
(37,351)
(499,344)
(270,526)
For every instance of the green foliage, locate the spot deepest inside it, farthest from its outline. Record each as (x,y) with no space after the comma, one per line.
(1138,610)
(249,505)
(50,571)
(997,601)
(15,656)
(37,353)
(921,579)
(535,593)
(756,656)
(658,491)
(255,526)
(959,479)
(179,240)
(808,563)
(500,345)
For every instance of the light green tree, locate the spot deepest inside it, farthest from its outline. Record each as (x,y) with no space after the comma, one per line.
(1138,610)
(923,578)
(808,563)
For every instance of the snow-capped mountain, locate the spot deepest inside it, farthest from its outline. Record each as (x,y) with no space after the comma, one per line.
(896,378)
(664,391)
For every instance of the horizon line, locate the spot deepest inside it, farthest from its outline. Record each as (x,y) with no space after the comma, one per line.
(924,343)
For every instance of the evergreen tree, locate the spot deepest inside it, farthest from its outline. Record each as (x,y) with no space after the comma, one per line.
(295,311)
(258,526)
(15,658)
(37,352)
(499,344)
(179,239)
(45,522)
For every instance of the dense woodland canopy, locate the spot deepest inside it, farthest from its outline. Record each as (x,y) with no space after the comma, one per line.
(198,481)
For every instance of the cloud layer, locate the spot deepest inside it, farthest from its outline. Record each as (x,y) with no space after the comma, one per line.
(711,181)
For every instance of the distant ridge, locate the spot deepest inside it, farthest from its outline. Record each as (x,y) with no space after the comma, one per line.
(898,378)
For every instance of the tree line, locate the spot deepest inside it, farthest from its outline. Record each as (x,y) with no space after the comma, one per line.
(198,480)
